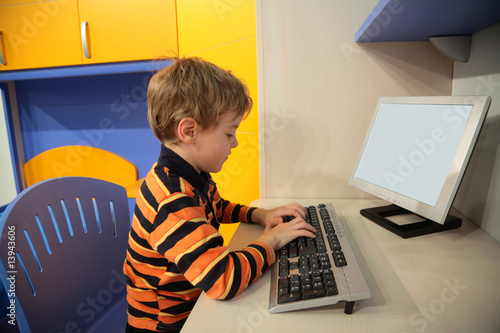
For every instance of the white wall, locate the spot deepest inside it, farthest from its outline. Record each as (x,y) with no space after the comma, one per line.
(8,190)
(479,195)
(318,90)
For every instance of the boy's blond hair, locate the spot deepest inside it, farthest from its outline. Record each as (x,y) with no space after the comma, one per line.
(192,87)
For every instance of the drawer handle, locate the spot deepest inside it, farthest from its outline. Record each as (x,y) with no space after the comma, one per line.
(83,31)
(2,60)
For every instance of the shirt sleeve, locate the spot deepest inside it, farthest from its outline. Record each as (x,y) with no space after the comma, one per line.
(228,212)
(185,238)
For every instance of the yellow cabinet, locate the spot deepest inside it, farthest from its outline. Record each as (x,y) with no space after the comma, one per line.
(127,30)
(71,32)
(238,179)
(204,24)
(224,32)
(40,34)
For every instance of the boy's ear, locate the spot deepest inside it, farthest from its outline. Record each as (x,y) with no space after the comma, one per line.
(186,130)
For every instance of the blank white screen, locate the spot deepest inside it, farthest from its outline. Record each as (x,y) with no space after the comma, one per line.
(411,148)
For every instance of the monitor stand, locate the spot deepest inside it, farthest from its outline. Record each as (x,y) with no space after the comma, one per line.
(417,225)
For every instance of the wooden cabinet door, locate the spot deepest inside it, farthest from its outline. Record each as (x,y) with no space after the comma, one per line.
(40,34)
(127,30)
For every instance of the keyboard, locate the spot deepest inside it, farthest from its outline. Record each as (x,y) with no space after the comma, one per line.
(320,271)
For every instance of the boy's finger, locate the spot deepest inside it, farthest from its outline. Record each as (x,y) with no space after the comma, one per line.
(299,210)
(304,225)
(292,210)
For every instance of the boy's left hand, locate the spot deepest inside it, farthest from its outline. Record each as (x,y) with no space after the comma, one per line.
(272,217)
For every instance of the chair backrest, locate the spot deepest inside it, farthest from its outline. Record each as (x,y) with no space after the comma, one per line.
(63,245)
(82,161)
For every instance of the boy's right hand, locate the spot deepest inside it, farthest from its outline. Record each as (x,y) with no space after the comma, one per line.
(283,233)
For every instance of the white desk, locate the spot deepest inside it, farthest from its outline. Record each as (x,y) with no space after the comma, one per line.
(446,282)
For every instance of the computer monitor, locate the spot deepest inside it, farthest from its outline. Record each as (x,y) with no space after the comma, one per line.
(414,156)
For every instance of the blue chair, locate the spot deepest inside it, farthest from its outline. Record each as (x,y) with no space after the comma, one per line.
(63,245)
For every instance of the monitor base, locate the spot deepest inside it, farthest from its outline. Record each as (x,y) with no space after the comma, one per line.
(381,214)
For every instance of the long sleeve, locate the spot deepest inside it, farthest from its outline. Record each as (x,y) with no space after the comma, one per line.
(228,212)
(195,247)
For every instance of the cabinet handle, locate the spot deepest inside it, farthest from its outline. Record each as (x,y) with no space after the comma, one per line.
(83,31)
(2,60)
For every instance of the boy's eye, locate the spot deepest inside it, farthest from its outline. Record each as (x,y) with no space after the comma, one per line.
(229,135)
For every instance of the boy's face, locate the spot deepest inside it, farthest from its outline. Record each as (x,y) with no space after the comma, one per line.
(214,145)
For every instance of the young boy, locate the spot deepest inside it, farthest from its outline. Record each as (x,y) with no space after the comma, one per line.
(175,251)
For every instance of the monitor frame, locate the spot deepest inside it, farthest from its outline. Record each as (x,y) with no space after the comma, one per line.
(439,212)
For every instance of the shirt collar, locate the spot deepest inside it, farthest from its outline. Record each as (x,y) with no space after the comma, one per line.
(177,165)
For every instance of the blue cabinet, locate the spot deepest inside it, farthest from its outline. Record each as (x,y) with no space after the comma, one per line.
(103,106)
(418,20)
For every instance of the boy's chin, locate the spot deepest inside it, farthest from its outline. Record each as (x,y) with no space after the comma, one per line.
(217,170)
(213,170)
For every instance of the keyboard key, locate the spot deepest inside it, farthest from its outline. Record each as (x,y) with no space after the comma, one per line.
(313,293)
(295,279)
(284,267)
(331,290)
(318,285)
(304,269)
(306,286)
(305,278)
(334,242)
(306,250)
(283,282)
(324,261)
(340,263)
(283,290)
(287,298)
(292,250)
(303,264)
(315,267)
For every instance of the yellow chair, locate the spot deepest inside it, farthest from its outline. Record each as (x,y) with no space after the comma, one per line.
(84,161)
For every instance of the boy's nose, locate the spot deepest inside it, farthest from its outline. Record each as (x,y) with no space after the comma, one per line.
(235,142)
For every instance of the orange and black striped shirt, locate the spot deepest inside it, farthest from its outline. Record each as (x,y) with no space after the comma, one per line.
(175,250)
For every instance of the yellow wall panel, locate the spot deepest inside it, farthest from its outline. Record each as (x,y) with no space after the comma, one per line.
(241,58)
(238,181)
(239,178)
(204,24)
(20,2)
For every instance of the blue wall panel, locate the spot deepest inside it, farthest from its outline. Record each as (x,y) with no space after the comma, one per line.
(104,111)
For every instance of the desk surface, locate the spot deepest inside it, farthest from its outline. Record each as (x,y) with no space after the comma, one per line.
(446,282)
